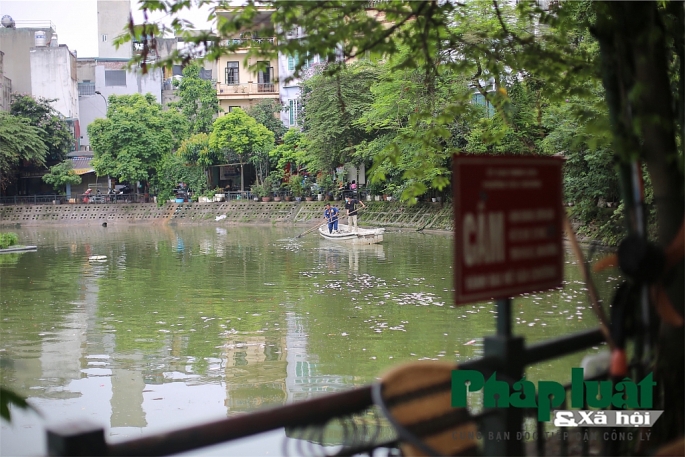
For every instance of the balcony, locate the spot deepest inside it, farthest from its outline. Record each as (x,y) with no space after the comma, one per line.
(247,42)
(246,89)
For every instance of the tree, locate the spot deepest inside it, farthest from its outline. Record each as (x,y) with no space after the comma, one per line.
(196,151)
(240,137)
(400,145)
(19,141)
(332,107)
(55,131)
(198,101)
(134,137)
(173,169)
(266,113)
(62,174)
(646,102)
(293,151)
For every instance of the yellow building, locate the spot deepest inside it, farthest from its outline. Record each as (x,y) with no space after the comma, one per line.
(236,85)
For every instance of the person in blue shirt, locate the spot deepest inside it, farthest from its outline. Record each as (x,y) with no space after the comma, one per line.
(331,216)
(336,211)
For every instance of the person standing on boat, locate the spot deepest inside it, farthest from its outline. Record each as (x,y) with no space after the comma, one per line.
(331,216)
(351,208)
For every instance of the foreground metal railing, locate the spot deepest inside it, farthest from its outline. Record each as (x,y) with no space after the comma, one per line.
(364,431)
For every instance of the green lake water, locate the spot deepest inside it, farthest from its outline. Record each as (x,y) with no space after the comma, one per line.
(181,325)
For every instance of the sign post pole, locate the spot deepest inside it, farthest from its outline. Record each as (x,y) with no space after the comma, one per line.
(504,317)
(501,431)
(507,228)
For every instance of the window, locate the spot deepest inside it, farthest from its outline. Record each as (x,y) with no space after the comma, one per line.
(115,78)
(232,73)
(293,107)
(230,108)
(104,38)
(479,99)
(205,74)
(177,70)
(264,78)
(86,88)
(292,61)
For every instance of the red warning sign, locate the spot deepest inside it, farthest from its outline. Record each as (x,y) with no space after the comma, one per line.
(508,226)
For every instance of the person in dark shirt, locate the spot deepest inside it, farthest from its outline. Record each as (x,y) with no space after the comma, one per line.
(351,208)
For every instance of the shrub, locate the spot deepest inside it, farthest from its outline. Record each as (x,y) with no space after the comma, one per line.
(8,239)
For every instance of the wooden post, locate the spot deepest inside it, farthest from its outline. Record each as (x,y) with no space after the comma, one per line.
(76,439)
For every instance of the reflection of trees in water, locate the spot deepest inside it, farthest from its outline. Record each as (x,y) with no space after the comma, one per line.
(9,259)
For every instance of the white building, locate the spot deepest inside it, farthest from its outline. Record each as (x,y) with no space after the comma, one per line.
(98,78)
(16,44)
(53,76)
(34,63)
(113,18)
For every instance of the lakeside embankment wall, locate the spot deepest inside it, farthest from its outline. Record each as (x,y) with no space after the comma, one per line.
(430,216)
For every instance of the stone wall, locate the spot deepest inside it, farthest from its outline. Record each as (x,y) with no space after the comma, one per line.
(382,214)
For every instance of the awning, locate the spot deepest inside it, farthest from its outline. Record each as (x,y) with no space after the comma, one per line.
(83,171)
(82,165)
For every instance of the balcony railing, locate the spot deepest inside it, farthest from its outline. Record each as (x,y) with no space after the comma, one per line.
(245,42)
(240,90)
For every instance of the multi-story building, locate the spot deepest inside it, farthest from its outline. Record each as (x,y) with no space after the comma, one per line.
(105,75)
(16,41)
(113,17)
(34,63)
(238,87)
(53,76)
(167,45)
(290,89)
(98,78)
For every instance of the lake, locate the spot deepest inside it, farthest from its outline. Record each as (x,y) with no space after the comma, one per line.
(180,325)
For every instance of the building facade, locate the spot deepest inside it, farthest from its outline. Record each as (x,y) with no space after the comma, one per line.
(98,78)
(5,87)
(53,76)
(238,87)
(113,18)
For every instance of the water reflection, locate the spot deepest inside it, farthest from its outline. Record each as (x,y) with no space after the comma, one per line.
(181,325)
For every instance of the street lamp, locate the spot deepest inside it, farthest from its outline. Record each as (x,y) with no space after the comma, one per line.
(103,97)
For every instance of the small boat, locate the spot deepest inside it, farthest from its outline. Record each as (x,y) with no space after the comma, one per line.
(97,258)
(349,234)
